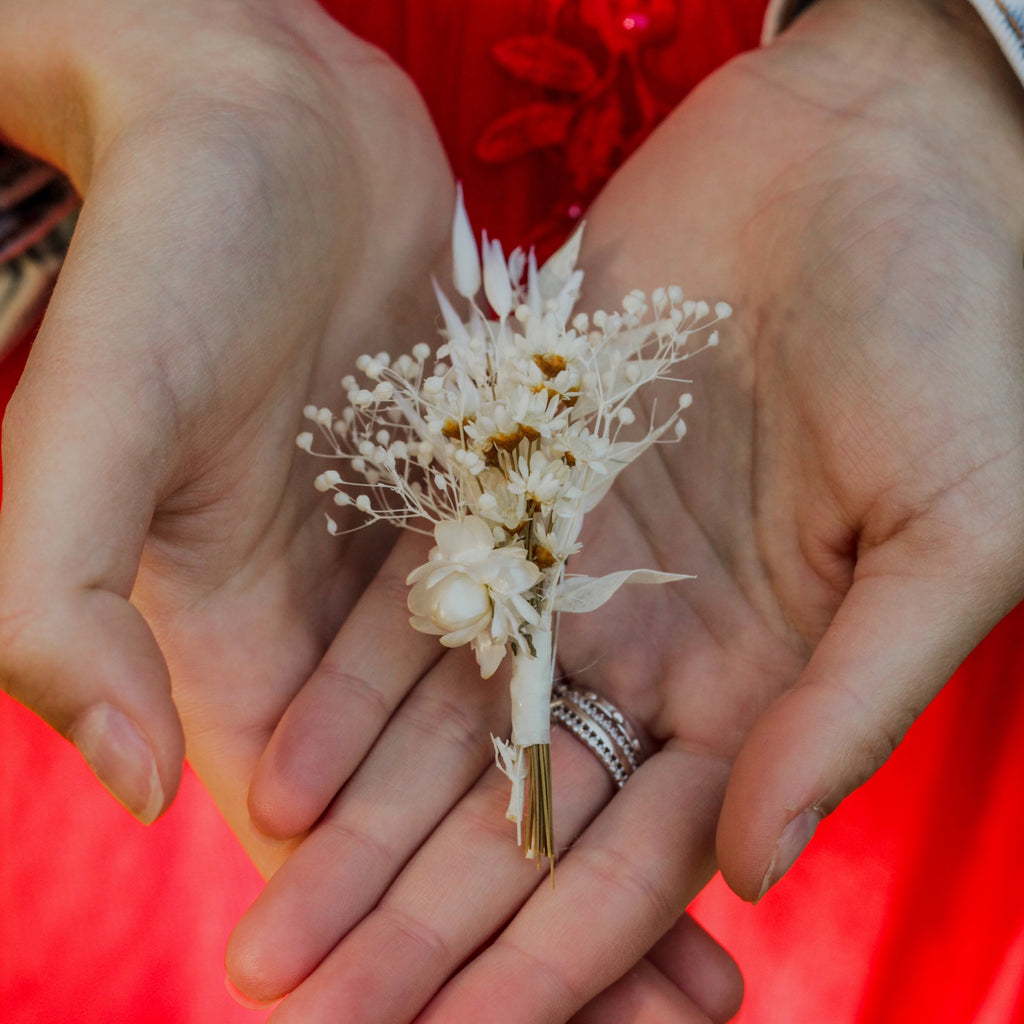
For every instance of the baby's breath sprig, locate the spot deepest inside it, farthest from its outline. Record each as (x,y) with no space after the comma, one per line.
(498,443)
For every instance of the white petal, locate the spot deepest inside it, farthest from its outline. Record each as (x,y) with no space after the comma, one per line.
(464,252)
(586,593)
(455,328)
(536,299)
(566,298)
(559,267)
(423,625)
(456,538)
(497,286)
(489,655)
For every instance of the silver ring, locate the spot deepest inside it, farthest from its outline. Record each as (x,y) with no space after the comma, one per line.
(601,727)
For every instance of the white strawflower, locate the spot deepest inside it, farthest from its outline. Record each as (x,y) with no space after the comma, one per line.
(470,591)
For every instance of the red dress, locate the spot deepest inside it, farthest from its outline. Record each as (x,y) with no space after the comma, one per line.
(905,906)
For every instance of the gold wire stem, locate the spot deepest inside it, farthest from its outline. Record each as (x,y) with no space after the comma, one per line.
(538,817)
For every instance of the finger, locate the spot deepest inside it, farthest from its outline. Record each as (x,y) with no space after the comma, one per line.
(78,456)
(434,748)
(621,887)
(642,996)
(465,881)
(701,968)
(892,645)
(686,977)
(340,711)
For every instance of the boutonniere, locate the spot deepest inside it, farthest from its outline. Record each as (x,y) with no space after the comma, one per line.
(497,444)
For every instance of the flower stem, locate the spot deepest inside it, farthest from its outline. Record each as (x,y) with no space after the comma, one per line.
(531,805)
(539,819)
(532,676)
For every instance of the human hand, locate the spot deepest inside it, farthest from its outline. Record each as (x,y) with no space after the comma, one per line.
(250,226)
(847,495)
(265,197)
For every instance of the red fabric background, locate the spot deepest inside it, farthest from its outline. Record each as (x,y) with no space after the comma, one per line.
(906,905)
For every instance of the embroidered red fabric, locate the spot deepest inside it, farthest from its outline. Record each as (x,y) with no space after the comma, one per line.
(905,907)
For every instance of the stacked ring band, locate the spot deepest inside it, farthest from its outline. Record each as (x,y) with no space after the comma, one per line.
(600,726)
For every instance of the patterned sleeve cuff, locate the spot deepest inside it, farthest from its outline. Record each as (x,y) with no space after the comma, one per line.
(37,210)
(1005,21)
(778,15)
(1004,18)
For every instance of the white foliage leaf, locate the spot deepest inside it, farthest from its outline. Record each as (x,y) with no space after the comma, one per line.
(587,593)
(559,268)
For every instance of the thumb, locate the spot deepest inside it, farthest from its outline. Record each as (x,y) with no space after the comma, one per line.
(892,645)
(76,510)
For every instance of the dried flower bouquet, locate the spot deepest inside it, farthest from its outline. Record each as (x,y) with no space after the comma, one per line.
(499,443)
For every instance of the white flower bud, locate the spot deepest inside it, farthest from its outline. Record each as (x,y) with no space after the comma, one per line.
(421,352)
(459,601)
(363,503)
(325,481)
(305,441)
(723,310)
(466,259)
(497,286)
(633,304)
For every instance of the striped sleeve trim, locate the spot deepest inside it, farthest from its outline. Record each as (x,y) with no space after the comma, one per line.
(1005,20)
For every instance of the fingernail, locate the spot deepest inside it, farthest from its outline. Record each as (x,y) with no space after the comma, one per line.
(244,1000)
(796,835)
(121,759)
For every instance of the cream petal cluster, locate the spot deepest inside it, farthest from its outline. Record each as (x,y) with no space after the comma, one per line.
(470,591)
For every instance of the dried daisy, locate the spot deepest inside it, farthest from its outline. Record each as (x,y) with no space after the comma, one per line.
(498,443)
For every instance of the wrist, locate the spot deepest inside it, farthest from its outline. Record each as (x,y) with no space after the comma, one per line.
(74,77)
(909,65)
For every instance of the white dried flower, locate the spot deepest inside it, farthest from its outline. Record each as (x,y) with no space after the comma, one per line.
(470,591)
